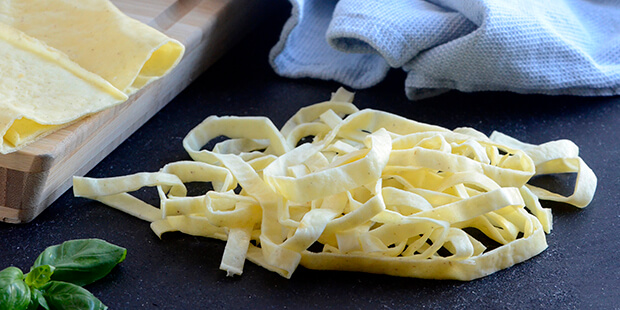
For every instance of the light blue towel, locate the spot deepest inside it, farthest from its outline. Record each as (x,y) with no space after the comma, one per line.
(526,46)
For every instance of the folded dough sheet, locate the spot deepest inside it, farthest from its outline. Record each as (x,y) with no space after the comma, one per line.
(63,60)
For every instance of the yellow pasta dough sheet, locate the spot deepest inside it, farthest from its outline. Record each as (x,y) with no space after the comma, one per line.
(62,60)
(372,192)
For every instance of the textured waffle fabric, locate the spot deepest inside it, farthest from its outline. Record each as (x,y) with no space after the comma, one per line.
(526,46)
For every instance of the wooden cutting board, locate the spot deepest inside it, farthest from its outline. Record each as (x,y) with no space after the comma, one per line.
(32,178)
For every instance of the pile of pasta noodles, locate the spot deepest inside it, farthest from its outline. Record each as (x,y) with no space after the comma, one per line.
(372,192)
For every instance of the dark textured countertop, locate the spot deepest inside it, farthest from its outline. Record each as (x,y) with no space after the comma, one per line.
(580,269)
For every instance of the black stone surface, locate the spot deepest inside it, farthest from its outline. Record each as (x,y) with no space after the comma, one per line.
(579,270)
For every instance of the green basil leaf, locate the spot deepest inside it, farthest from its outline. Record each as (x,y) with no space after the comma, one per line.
(67,296)
(37,300)
(81,261)
(14,293)
(40,275)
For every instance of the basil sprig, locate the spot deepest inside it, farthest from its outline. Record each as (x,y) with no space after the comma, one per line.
(55,279)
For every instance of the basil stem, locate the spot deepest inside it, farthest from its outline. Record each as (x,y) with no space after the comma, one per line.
(14,293)
(65,296)
(81,261)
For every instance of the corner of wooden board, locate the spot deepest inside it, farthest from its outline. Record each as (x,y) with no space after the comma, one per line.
(19,195)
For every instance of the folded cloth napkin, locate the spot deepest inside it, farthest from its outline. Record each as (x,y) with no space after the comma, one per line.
(526,46)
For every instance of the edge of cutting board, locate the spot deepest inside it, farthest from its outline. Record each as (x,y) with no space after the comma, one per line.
(34,177)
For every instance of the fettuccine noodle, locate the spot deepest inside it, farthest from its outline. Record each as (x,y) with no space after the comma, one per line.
(373,192)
